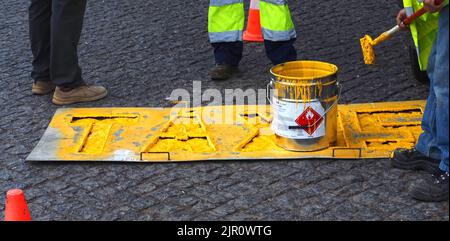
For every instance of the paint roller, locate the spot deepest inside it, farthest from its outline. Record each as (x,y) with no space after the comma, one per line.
(367,43)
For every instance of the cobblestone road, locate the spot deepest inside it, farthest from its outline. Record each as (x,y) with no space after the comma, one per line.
(141,50)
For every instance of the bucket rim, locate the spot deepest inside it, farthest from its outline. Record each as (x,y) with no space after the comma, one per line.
(331,82)
(332,73)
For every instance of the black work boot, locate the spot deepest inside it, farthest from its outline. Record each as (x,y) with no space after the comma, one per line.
(434,188)
(223,72)
(414,160)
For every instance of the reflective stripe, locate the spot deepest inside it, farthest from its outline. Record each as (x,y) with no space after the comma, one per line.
(276,17)
(277,2)
(254,4)
(230,36)
(279,35)
(226,18)
(218,3)
(409,11)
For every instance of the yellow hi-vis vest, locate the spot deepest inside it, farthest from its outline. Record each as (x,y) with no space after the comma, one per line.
(423,30)
(226,20)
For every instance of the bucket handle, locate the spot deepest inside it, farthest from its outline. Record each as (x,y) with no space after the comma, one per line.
(339,87)
(268,88)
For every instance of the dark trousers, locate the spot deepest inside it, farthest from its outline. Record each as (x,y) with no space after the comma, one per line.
(55,29)
(278,52)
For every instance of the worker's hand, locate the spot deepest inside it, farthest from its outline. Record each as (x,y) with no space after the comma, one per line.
(431,7)
(400,17)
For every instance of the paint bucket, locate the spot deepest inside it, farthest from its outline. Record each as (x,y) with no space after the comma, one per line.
(304,104)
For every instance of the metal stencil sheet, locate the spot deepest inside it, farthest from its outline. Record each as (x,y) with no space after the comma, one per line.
(372,130)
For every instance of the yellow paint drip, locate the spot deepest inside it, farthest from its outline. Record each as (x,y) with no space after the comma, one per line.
(301,90)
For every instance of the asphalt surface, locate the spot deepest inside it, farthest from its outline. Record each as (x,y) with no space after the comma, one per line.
(142,50)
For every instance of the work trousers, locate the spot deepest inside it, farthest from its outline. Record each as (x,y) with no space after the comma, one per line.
(434,140)
(231,52)
(55,28)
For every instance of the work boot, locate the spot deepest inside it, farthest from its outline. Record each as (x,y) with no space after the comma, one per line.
(223,72)
(434,188)
(411,159)
(83,93)
(41,87)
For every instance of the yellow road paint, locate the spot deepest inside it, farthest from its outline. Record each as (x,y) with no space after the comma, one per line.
(372,130)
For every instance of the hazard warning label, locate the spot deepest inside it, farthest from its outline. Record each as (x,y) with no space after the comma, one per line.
(297,120)
(309,120)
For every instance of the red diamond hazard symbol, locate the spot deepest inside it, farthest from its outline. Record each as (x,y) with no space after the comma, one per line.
(309,120)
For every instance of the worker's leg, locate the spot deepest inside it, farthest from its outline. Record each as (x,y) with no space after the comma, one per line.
(427,140)
(40,12)
(434,140)
(229,53)
(435,188)
(66,26)
(225,27)
(440,86)
(278,31)
(280,51)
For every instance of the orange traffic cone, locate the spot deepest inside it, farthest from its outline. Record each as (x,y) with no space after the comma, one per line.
(16,208)
(253,32)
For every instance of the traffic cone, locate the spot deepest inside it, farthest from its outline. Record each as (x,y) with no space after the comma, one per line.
(253,33)
(16,208)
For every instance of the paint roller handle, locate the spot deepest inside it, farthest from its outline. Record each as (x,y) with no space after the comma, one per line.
(419,13)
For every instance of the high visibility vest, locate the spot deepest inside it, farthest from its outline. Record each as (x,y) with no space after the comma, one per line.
(423,30)
(226,20)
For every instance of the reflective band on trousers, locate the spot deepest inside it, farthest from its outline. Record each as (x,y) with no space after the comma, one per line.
(230,36)
(218,3)
(226,20)
(278,2)
(278,35)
